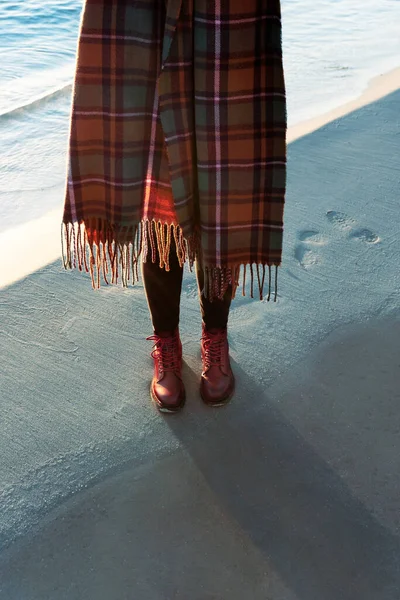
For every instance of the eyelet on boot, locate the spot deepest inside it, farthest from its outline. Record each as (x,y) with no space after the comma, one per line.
(167,381)
(217,382)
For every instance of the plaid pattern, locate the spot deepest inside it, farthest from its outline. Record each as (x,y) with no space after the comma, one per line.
(178,118)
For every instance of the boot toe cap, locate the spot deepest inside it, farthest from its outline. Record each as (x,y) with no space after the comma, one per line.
(217,390)
(168,397)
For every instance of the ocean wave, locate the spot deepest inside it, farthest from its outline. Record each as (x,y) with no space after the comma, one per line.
(38,188)
(62,90)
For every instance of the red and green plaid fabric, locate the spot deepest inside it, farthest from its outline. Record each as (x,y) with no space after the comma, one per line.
(178,119)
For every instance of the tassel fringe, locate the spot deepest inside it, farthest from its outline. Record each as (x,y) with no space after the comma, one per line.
(99,247)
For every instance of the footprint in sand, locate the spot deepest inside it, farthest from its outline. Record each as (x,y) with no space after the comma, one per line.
(304,251)
(340,220)
(347,225)
(311,236)
(365,235)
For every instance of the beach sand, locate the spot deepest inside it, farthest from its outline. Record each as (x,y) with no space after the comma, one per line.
(291,492)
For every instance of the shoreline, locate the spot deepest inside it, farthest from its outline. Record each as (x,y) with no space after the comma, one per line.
(37,243)
(377,87)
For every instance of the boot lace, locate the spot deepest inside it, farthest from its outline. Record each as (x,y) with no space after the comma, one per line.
(213,344)
(165,352)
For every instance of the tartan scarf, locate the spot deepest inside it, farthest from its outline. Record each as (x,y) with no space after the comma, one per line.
(178,128)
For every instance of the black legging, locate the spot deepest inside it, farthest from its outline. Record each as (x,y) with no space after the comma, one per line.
(163,291)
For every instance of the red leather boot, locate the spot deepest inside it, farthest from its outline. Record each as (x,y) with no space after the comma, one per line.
(167,389)
(217,380)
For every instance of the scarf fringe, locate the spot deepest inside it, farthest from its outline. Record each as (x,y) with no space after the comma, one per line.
(99,247)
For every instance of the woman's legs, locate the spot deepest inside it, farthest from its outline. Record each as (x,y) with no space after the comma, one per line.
(163,291)
(217,379)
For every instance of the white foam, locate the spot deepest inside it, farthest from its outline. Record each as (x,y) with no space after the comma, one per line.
(28,90)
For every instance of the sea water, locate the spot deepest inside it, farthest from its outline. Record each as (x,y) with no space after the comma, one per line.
(331,50)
